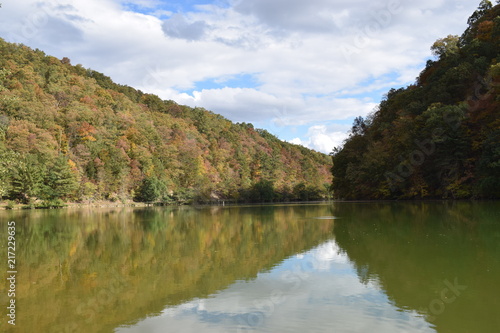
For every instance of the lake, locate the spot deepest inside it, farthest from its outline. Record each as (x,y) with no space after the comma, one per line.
(330,267)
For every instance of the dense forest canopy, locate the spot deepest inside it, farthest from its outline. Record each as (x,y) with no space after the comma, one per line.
(437,138)
(71,133)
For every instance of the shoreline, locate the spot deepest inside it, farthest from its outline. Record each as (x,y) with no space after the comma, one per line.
(97,204)
(133,204)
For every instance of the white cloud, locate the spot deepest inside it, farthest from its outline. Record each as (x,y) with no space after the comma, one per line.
(249,104)
(297,141)
(314,62)
(323,138)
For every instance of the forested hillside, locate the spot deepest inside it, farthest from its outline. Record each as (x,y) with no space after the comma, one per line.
(70,133)
(437,138)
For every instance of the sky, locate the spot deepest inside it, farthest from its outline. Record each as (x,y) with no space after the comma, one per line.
(301,69)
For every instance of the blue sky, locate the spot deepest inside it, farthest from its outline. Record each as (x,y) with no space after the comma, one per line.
(151,7)
(303,70)
(246,80)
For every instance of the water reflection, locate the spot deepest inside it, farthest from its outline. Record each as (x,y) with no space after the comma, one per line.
(441,260)
(317,291)
(392,267)
(92,270)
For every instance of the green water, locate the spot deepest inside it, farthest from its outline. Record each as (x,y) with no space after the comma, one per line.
(342,267)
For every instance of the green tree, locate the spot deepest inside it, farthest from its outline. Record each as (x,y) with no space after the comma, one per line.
(263,191)
(152,189)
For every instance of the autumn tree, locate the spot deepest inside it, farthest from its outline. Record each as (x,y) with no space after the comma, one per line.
(445,46)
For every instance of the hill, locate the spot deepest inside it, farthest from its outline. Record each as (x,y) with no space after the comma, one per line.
(71,133)
(437,138)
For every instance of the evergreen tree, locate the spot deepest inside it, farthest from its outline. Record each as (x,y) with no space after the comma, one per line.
(60,181)
(27,179)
